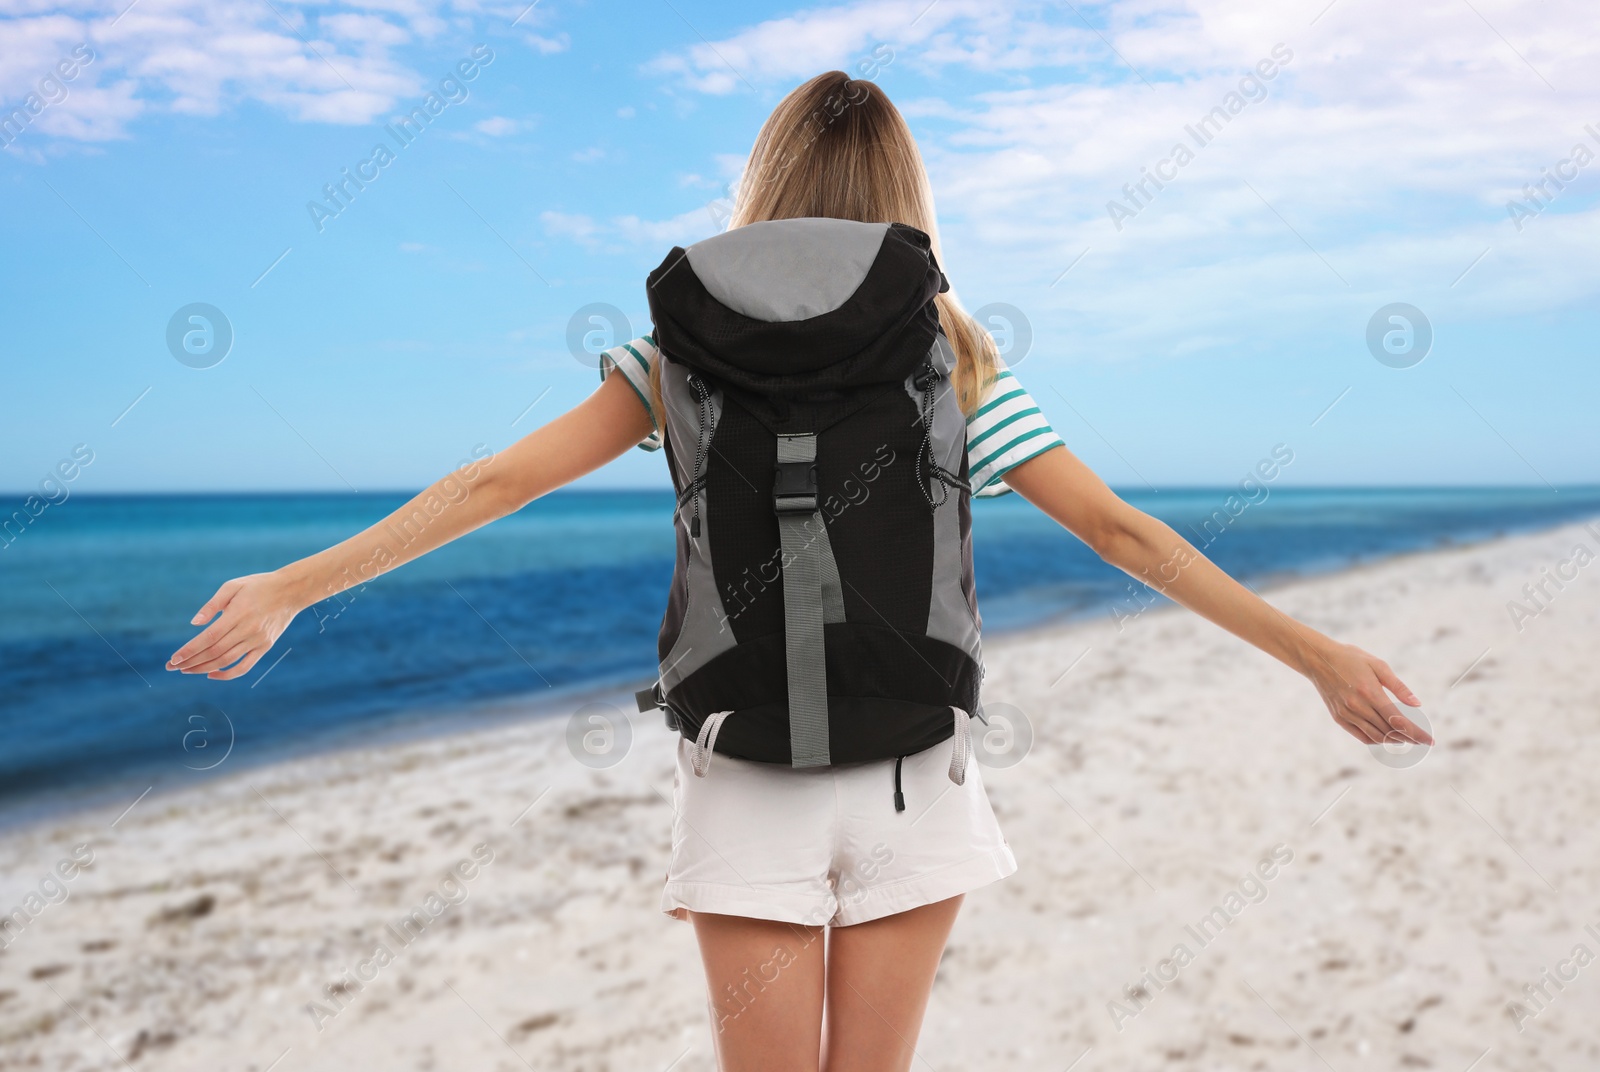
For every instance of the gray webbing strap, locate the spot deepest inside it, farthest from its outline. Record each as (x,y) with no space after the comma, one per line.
(706,743)
(832,589)
(960,747)
(798,519)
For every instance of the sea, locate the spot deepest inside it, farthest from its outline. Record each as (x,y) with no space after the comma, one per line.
(530,617)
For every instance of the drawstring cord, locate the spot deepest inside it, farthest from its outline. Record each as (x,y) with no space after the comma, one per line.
(703,397)
(960,751)
(960,755)
(927,379)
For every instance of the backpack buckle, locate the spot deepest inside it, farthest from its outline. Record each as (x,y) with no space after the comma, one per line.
(794,487)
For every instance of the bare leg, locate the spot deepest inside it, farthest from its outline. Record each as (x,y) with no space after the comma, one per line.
(879,977)
(765,981)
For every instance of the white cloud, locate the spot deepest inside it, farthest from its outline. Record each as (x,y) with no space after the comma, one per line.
(680,230)
(624,233)
(1387,147)
(364,29)
(497,126)
(578,227)
(547,46)
(864,38)
(340,63)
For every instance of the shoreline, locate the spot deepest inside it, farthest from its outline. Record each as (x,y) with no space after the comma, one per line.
(409,726)
(434,723)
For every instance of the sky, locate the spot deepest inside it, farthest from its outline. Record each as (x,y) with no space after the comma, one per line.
(1436,161)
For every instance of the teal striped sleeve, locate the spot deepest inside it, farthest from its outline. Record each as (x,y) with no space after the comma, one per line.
(634,360)
(1004,431)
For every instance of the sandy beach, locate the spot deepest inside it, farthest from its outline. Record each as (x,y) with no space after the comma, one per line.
(485,901)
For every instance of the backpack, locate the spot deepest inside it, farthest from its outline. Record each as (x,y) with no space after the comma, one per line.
(822,608)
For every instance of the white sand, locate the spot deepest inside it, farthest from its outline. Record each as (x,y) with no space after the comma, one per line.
(1168,761)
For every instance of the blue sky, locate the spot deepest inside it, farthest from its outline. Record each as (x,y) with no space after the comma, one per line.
(1216,317)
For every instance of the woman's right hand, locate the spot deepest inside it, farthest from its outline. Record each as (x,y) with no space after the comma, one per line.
(255,610)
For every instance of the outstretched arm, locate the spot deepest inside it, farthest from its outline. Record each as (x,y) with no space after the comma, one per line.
(1351,681)
(255,610)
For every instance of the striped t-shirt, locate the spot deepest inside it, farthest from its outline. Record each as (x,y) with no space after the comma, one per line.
(1006,429)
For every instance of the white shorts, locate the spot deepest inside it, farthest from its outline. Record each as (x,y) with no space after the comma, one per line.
(825,846)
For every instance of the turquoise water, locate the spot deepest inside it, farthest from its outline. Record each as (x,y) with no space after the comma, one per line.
(562,599)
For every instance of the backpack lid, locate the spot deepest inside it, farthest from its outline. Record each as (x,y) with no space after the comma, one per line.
(810,303)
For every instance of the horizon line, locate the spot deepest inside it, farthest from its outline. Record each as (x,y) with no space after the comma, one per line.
(667,489)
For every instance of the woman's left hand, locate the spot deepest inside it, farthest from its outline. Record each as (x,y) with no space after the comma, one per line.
(1352,684)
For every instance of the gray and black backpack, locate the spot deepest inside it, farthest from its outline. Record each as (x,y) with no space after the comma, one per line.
(822,609)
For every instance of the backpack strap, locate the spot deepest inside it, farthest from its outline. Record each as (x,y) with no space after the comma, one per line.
(960,747)
(811,596)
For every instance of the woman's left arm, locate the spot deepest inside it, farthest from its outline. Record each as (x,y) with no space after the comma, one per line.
(1350,680)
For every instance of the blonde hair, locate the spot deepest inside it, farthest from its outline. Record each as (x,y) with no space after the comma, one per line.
(836,147)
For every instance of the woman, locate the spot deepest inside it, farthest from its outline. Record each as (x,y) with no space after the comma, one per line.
(769,860)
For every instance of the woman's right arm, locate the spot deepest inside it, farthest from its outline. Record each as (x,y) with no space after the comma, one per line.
(255,610)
